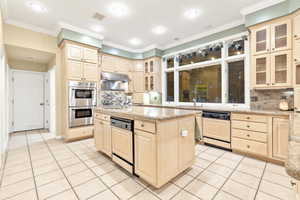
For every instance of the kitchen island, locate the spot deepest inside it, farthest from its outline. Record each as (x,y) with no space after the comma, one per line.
(155,144)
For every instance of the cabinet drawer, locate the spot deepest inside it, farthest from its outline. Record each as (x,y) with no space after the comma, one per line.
(102,116)
(145,126)
(249,146)
(76,133)
(249,135)
(250,126)
(252,118)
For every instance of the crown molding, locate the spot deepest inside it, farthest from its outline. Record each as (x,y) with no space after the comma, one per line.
(204,34)
(31,27)
(148,48)
(259,6)
(80,30)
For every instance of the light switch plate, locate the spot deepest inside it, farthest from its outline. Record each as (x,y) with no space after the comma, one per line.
(184,133)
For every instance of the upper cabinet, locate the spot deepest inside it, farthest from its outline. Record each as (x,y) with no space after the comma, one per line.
(271,45)
(272,37)
(296,51)
(296,27)
(117,64)
(152,70)
(81,62)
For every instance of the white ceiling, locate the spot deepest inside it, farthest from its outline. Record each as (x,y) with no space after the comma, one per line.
(143,16)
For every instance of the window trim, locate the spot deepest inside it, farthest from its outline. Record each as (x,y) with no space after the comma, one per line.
(224,60)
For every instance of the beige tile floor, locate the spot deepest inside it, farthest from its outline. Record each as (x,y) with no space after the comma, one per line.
(39,166)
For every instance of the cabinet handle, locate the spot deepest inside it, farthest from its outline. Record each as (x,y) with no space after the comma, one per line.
(295,36)
(273,49)
(248,126)
(248,146)
(248,135)
(142,125)
(248,117)
(273,83)
(295,60)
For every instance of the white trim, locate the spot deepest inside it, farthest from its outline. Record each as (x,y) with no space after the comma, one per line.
(206,44)
(223,61)
(80,30)
(207,33)
(31,27)
(112,44)
(259,6)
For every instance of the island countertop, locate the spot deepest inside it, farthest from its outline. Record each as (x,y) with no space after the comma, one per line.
(147,113)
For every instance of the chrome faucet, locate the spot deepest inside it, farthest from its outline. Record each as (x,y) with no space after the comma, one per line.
(195,102)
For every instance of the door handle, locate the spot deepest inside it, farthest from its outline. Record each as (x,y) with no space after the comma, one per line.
(42,104)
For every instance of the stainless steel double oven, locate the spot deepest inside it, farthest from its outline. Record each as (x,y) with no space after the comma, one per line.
(82,100)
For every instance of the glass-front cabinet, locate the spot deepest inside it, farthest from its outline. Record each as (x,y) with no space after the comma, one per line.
(261,70)
(281,36)
(261,40)
(281,69)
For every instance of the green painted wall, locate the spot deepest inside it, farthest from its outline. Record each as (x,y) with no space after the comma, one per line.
(210,38)
(119,52)
(66,34)
(272,12)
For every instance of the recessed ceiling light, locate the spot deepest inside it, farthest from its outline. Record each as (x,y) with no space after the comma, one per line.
(36,6)
(159,30)
(97,28)
(192,13)
(135,41)
(118,9)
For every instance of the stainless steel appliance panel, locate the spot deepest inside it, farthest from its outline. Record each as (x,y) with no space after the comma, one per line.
(81,116)
(82,93)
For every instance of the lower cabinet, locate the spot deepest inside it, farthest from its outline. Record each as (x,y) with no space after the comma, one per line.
(145,155)
(103,136)
(280,138)
(79,132)
(161,155)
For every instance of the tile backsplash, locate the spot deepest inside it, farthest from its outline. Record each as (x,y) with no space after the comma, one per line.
(270,99)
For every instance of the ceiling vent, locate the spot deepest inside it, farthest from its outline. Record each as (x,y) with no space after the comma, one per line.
(98,16)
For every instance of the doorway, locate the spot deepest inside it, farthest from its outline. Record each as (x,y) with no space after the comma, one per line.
(28,100)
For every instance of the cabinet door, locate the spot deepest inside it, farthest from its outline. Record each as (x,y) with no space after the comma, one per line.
(74,70)
(297,27)
(261,71)
(122,143)
(146,82)
(146,67)
(186,142)
(281,36)
(90,55)
(130,83)
(98,135)
(74,52)
(297,99)
(145,155)
(138,81)
(106,131)
(281,68)
(296,63)
(261,40)
(109,63)
(280,138)
(90,72)
(138,66)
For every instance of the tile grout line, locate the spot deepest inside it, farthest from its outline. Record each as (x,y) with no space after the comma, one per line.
(60,169)
(196,177)
(227,179)
(4,163)
(93,173)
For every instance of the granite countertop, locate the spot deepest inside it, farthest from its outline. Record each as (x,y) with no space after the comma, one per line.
(252,111)
(147,113)
(293,162)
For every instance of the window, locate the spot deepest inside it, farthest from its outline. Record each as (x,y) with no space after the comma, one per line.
(170,86)
(201,85)
(211,74)
(236,82)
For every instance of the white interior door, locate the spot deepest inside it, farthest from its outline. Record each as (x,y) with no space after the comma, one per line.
(28,106)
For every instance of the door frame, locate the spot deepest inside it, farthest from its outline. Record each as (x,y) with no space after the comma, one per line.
(12,95)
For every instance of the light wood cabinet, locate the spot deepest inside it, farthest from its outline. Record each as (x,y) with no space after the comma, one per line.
(249,146)
(281,35)
(74,70)
(272,70)
(138,81)
(280,138)
(108,63)
(271,45)
(79,133)
(138,98)
(261,40)
(281,69)
(297,99)
(122,143)
(145,156)
(296,27)
(296,124)
(261,71)
(212,127)
(116,64)
(103,136)
(90,72)
(152,78)
(81,63)
(296,62)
